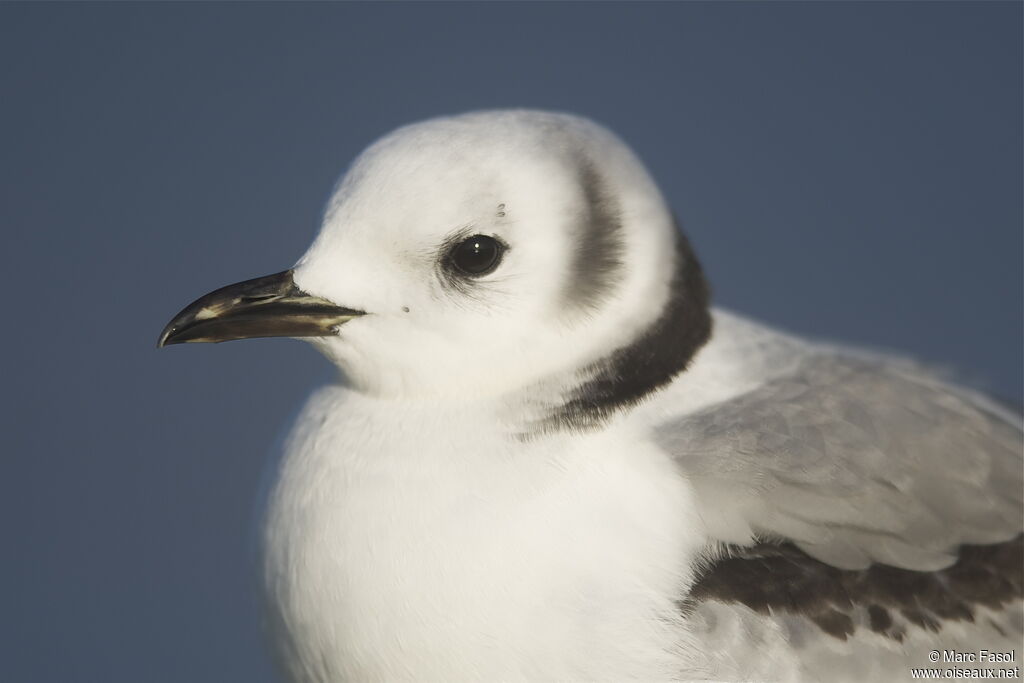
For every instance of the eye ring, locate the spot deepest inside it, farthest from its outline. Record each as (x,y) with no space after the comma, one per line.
(476,256)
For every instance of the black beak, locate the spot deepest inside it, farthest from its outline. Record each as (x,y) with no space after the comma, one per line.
(270,306)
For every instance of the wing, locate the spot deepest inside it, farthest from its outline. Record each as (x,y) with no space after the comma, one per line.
(856,492)
(856,460)
(779,579)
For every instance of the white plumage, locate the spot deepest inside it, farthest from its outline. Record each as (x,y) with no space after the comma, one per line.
(564,468)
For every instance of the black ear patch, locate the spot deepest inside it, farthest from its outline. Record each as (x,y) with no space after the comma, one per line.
(623,378)
(596,265)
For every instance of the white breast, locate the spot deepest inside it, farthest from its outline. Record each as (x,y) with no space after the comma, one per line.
(405,541)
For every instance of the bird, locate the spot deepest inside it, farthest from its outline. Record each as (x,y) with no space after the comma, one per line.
(548,457)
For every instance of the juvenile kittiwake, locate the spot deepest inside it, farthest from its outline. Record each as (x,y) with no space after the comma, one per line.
(547,457)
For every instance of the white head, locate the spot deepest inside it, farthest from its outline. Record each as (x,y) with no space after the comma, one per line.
(489,252)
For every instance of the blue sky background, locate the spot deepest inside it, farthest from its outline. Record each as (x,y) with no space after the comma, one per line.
(845,170)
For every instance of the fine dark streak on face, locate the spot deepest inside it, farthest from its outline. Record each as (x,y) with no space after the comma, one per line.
(780,578)
(664,350)
(596,266)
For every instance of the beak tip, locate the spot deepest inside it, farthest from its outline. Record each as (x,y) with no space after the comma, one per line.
(165,337)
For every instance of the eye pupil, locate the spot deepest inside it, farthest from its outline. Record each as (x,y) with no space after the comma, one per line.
(477,255)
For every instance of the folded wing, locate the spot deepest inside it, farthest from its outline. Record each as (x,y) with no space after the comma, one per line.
(858,460)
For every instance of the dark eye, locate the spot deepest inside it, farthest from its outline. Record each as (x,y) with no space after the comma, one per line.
(477,255)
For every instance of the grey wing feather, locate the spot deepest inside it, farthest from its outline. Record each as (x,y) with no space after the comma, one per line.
(859,460)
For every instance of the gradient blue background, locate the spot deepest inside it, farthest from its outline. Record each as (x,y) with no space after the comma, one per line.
(851,171)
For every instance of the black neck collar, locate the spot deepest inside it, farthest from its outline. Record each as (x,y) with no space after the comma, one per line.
(629,374)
